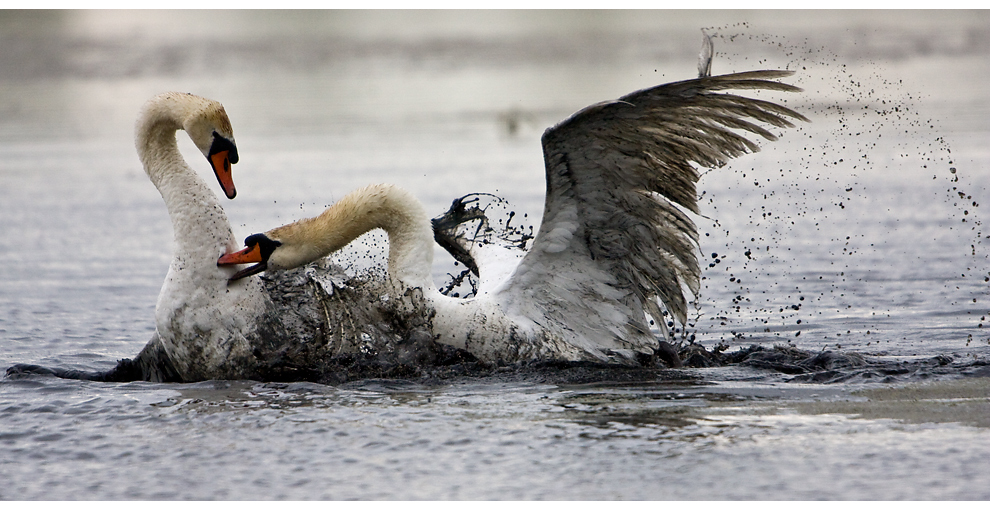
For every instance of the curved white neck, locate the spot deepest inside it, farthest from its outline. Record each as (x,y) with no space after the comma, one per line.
(379,206)
(457,322)
(199,223)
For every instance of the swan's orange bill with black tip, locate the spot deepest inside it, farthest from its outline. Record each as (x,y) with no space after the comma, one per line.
(258,248)
(223,154)
(221,167)
(250,254)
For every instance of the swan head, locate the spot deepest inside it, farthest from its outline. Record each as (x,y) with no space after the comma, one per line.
(258,248)
(380,206)
(204,120)
(282,248)
(213,135)
(288,246)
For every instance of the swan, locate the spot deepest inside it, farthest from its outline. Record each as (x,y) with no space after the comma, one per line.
(293,328)
(304,326)
(614,244)
(202,325)
(200,332)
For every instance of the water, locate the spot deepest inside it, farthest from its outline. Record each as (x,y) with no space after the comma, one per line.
(848,234)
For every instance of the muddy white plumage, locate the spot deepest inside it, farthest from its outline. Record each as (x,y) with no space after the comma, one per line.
(201,323)
(615,241)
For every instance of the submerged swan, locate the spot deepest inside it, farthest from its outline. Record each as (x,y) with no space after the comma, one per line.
(614,242)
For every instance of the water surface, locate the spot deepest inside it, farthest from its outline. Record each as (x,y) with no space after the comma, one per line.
(859,233)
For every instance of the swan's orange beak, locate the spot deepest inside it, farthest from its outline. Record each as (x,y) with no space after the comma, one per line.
(258,248)
(251,254)
(247,255)
(220,161)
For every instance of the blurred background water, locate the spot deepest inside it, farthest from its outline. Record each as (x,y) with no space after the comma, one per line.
(860,231)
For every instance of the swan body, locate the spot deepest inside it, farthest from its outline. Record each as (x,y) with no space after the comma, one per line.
(202,324)
(614,245)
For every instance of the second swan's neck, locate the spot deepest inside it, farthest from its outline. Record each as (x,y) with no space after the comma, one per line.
(379,206)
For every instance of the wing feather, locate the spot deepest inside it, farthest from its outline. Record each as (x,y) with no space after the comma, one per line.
(620,176)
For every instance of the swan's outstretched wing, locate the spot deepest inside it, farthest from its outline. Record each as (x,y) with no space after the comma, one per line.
(614,237)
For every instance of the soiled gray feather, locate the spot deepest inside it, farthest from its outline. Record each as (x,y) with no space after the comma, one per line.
(629,167)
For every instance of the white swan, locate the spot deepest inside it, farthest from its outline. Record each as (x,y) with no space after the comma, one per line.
(202,325)
(317,326)
(208,329)
(613,240)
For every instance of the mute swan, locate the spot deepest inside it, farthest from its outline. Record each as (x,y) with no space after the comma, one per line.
(207,329)
(202,325)
(613,241)
(313,327)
